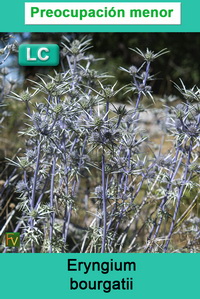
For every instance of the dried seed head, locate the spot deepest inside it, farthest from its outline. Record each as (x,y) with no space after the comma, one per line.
(75,47)
(108,92)
(50,86)
(25,96)
(36,117)
(133,70)
(21,187)
(192,130)
(98,122)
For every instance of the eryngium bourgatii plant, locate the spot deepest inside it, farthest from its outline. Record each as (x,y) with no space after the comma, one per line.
(88,183)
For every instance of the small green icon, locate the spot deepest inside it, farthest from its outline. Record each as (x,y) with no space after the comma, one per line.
(12,239)
(38,55)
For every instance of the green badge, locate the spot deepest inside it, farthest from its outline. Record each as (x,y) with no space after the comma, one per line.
(12,239)
(38,55)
